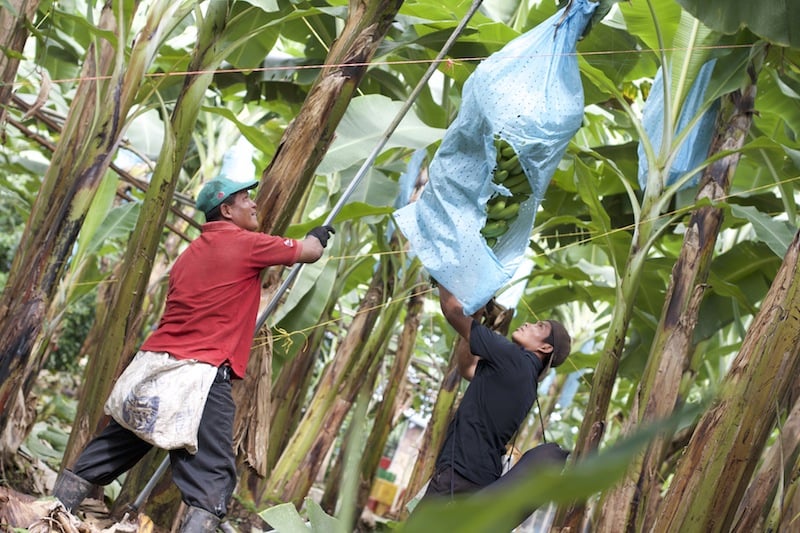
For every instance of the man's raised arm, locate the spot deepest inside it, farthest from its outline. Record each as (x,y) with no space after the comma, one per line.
(453,311)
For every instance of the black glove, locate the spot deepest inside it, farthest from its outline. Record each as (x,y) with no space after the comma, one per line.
(322,233)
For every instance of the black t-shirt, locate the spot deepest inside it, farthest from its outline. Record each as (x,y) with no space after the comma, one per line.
(494,405)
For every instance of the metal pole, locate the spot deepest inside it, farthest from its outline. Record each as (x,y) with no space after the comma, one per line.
(139,501)
(273,303)
(372,156)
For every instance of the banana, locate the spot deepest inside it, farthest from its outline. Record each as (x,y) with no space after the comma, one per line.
(501,210)
(494,228)
(517,169)
(508,212)
(517,198)
(524,187)
(495,207)
(513,181)
(510,163)
(56,439)
(498,145)
(500,176)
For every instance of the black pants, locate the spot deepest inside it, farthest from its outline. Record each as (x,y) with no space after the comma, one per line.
(528,467)
(447,482)
(206,479)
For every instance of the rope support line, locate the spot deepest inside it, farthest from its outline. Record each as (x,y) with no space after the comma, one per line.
(628,227)
(579,242)
(286,336)
(449,63)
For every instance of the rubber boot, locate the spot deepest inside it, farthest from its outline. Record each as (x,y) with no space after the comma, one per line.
(199,520)
(71,489)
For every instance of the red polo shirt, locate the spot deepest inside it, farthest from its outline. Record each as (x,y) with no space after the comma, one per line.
(214,293)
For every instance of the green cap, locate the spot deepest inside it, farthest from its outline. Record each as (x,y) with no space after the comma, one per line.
(216,190)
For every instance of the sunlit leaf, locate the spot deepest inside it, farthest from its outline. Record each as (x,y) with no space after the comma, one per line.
(363,127)
(774,20)
(499,510)
(285,518)
(777,234)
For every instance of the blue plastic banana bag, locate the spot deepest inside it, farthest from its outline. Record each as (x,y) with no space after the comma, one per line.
(694,149)
(530,95)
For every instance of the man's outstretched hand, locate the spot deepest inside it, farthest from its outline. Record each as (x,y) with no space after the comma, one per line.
(322,233)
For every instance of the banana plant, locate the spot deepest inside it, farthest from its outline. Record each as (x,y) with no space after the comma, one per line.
(92,132)
(14,22)
(120,323)
(723,448)
(106,226)
(679,42)
(632,500)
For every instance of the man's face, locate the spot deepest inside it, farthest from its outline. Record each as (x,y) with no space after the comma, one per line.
(242,211)
(533,336)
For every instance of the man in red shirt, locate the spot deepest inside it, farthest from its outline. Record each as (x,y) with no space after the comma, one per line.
(205,335)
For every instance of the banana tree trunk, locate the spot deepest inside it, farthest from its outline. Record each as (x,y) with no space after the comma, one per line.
(122,324)
(389,409)
(633,501)
(721,456)
(790,505)
(288,392)
(351,438)
(570,517)
(435,430)
(333,480)
(15,20)
(299,463)
(90,138)
(372,356)
(292,385)
(777,472)
(649,225)
(306,141)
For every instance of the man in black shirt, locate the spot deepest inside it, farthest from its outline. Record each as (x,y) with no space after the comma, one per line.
(503,375)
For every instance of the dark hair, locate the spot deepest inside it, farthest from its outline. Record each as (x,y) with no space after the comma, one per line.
(216,212)
(561,342)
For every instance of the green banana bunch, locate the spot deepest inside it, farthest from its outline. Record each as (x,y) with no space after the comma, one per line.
(502,210)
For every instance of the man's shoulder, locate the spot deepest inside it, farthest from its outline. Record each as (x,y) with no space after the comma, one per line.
(220,232)
(489,344)
(218,225)
(226,229)
(487,334)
